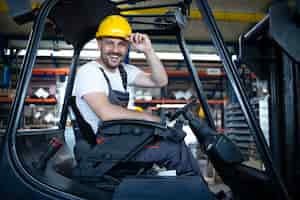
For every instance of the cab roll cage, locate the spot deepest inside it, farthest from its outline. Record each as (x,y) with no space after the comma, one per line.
(167,28)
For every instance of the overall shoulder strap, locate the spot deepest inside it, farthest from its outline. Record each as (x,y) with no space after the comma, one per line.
(123,74)
(106,78)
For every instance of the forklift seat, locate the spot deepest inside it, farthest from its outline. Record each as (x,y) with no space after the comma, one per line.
(125,139)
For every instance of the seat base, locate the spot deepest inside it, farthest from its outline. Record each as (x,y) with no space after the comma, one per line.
(65,167)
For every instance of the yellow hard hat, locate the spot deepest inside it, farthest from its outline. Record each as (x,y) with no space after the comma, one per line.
(114,26)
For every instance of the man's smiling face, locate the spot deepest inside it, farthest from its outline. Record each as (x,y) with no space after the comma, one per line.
(113,51)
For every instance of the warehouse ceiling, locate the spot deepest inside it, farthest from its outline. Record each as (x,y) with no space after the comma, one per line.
(233,18)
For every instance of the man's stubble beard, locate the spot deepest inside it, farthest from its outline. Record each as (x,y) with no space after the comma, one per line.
(106,62)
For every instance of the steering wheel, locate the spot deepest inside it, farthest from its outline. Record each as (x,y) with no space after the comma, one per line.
(183,110)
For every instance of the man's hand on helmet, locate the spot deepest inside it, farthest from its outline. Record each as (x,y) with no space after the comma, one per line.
(140,43)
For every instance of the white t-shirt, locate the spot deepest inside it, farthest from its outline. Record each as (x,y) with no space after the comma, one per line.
(89,79)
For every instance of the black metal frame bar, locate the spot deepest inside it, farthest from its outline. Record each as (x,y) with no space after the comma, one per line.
(27,66)
(69,88)
(235,81)
(161,32)
(152,7)
(276,113)
(257,30)
(196,80)
(253,33)
(150,23)
(148,15)
(290,125)
(296,179)
(19,100)
(128,2)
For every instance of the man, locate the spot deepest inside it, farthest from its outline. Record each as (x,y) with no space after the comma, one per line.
(101,90)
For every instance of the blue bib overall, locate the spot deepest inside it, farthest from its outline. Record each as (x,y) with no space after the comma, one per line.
(163,152)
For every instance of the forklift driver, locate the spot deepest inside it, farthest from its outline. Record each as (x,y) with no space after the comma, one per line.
(101,91)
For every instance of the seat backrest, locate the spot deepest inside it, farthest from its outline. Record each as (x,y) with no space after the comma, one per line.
(81,128)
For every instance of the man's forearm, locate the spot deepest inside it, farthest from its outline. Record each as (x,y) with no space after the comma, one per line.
(158,72)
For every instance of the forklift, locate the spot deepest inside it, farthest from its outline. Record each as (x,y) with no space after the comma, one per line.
(33,168)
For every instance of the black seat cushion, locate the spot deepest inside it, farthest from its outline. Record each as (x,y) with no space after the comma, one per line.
(65,167)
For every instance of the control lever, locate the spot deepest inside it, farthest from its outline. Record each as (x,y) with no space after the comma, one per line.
(218,146)
(53,147)
(183,110)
